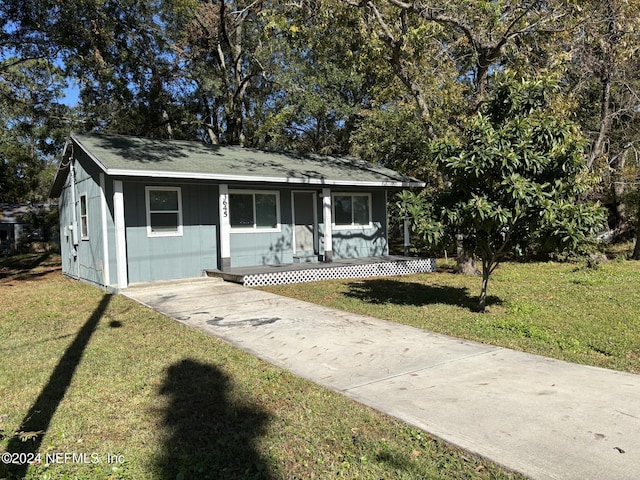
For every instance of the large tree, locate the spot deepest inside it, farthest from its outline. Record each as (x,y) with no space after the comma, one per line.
(469,39)
(604,75)
(327,72)
(223,52)
(32,120)
(445,53)
(517,177)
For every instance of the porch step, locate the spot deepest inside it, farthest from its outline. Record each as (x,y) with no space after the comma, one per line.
(306,258)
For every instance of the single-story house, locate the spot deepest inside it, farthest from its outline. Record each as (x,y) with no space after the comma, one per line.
(14,226)
(138,210)
(11,226)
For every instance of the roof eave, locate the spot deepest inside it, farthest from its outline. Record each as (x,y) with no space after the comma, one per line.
(265,179)
(63,168)
(61,173)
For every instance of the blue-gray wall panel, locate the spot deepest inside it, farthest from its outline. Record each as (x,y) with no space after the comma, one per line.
(362,241)
(88,261)
(64,212)
(164,258)
(269,248)
(265,248)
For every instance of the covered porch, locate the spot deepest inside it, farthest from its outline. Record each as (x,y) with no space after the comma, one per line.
(387,265)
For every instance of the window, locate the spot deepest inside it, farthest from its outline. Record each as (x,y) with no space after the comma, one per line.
(164,211)
(350,210)
(254,211)
(84,218)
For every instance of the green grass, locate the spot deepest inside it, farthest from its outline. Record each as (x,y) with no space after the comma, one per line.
(560,310)
(87,373)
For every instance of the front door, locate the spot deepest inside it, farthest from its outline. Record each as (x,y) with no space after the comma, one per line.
(304,220)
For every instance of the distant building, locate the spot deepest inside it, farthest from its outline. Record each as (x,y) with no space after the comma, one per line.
(14,227)
(11,226)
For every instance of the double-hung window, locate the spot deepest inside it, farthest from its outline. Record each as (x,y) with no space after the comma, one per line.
(352,209)
(84,218)
(164,211)
(257,211)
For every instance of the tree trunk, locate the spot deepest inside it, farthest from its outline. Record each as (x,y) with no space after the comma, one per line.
(606,80)
(483,292)
(619,190)
(465,263)
(636,248)
(598,148)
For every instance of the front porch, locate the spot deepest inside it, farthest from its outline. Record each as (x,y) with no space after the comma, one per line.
(387,265)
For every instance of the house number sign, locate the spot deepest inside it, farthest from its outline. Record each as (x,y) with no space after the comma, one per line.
(225,206)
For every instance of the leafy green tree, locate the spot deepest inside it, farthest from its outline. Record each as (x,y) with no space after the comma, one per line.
(396,137)
(327,76)
(120,56)
(468,39)
(516,175)
(223,53)
(602,72)
(33,127)
(630,178)
(32,120)
(445,54)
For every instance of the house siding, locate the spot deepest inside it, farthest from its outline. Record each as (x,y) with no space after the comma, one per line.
(65,219)
(166,258)
(275,248)
(251,249)
(173,257)
(86,260)
(362,241)
(268,248)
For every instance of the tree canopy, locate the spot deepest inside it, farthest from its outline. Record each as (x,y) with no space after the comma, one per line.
(378,79)
(516,178)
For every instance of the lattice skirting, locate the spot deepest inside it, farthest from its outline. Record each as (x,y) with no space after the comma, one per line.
(401,267)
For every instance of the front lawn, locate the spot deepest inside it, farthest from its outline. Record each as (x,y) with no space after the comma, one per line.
(99,387)
(561,310)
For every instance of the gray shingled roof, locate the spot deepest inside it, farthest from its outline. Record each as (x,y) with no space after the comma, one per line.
(132,156)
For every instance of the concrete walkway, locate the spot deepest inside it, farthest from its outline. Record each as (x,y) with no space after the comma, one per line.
(544,418)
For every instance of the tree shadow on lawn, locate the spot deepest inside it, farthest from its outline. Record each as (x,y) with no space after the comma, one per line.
(211,434)
(27,267)
(28,438)
(388,291)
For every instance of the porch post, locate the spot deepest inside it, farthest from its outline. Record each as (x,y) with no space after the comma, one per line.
(106,279)
(326,218)
(225,228)
(407,237)
(121,239)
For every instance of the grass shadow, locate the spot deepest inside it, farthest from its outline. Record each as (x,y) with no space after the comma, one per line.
(388,291)
(32,266)
(211,433)
(29,435)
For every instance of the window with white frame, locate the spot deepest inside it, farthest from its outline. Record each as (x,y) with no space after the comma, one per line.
(84,218)
(164,211)
(351,209)
(256,211)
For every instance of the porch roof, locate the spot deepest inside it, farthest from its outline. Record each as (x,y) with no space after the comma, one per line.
(120,155)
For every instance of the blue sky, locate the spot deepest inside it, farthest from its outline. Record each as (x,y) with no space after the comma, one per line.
(71,94)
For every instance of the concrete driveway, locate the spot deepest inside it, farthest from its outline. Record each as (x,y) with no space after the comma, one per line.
(544,418)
